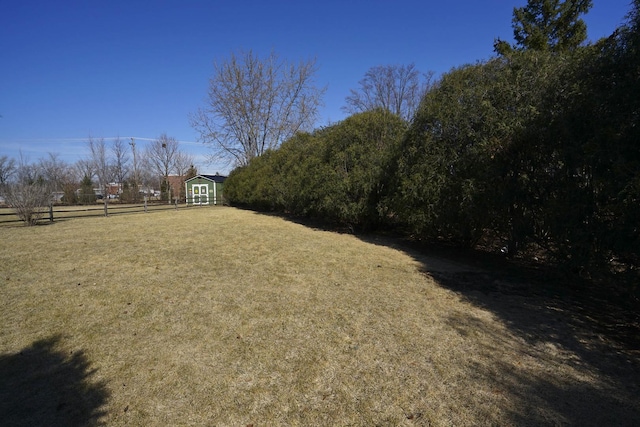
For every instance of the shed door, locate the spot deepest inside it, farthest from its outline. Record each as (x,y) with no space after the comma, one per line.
(200,194)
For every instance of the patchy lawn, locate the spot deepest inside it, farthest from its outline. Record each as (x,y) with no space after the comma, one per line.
(218,316)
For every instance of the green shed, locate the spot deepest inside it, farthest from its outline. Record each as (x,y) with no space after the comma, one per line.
(204,189)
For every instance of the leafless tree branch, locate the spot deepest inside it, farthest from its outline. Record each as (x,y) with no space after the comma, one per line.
(396,88)
(254,104)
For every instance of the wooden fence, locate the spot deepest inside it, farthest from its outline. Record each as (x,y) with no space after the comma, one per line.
(54,213)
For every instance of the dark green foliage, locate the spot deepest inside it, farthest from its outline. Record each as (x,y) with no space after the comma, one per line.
(595,112)
(548,25)
(165,190)
(251,185)
(87,195)
(537,149)
(465,164)
(300,176)
(334,173)
(191,173)
(70,190)
(128,194)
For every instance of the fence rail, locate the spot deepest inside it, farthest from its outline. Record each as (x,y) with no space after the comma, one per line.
(53,213)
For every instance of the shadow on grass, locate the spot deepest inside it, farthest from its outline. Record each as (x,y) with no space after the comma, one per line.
(41,385)
(589,328)
(586,327)
(596,338)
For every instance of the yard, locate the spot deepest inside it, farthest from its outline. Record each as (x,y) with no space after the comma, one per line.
(219,316)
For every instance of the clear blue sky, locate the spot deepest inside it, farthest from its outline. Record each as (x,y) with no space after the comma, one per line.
(70,69)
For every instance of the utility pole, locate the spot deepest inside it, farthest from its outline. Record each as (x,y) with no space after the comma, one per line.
(166,172)
(135,171)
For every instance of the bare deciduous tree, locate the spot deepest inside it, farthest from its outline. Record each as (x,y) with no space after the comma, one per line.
(25,171)
(254,104)
(28,200)
(396,88)
(53,170)
(7,169)
(102,164)
(84,168)
(28,194)
(120,161)
(60,178)
(161,155)
(183,163)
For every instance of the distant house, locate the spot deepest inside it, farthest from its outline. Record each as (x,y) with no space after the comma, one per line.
(204,189)
(114,189)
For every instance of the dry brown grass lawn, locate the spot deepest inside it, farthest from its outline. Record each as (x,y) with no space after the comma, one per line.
(226,317)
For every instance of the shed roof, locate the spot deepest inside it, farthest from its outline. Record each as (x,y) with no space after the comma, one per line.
(215,178)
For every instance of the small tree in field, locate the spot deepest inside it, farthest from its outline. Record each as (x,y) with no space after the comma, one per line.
(29,193)
(28,200)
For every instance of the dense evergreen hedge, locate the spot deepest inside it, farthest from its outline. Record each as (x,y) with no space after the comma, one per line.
(531,151)
(334,173)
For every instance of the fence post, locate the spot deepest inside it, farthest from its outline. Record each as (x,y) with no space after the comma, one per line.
(106,212)
(50,212)
(176,199)
(145,204)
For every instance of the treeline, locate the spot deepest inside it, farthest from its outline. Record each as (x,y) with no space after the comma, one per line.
(117,168)
(535,151)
